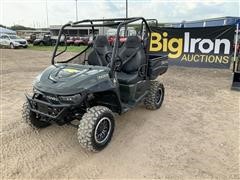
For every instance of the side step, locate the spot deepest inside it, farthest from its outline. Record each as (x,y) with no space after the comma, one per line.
(236,81)
(126,107)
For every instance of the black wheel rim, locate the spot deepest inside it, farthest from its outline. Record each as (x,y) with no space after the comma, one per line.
(158,97)
(102,130)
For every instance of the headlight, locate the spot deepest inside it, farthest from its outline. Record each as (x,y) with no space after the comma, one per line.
(35,90)
(71,99)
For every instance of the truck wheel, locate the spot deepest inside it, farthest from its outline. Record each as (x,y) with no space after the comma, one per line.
(12,46)
(155,96)
(96,128)
(31,118)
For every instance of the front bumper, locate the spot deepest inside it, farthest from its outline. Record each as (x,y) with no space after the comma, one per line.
(20,45)
(47,109)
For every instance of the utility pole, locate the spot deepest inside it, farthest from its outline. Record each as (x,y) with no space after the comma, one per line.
(47,13)
(126,8)
(103,27)
(125,31)
(76,11)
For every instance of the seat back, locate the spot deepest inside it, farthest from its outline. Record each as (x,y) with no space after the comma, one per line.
(132,55)
(100,48)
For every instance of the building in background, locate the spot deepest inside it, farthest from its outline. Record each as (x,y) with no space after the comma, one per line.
(27,33)
(77,31)
(221,21)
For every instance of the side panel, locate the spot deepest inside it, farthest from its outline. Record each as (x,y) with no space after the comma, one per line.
(109,99)
(132,92)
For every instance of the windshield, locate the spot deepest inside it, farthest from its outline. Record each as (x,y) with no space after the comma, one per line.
(14,37)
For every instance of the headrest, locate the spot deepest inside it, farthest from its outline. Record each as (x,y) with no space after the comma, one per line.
(101,41)
(132,42)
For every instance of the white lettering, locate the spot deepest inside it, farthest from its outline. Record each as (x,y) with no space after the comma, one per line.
(218,43)
(206,50)
(186,42)
(193,43)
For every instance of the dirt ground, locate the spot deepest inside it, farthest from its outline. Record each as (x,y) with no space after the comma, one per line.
(195,134)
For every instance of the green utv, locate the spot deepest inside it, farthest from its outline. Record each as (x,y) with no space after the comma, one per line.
(109,80)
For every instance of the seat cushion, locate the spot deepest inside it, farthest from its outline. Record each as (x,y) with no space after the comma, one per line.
(100,48)
(132,55)
(124,78)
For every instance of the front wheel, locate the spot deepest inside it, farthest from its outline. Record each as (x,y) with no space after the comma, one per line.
(96,128)
(12,46)
(31,118)
(155,97)
(41,44)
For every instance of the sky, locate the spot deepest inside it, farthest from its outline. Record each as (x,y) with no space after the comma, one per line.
(33,13)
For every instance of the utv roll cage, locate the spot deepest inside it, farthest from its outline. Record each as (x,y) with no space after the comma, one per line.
(114,80)
(116,22)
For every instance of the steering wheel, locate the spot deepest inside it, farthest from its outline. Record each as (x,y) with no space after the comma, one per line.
(117,62)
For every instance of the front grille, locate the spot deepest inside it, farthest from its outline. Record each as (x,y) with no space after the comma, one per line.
(49,110)
(48,98)
(53,99)
(44,108)
(22,42)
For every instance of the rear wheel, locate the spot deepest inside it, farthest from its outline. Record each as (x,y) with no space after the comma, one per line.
(31,118)
(155,96)
(96,128)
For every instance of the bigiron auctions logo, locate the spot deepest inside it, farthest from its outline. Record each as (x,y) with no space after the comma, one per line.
(191,49)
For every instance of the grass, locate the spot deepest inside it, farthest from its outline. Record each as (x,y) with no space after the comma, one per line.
(60,48)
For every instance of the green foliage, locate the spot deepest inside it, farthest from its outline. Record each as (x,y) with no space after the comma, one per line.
(60,48)
(3,26)
(17,27)
(20,27)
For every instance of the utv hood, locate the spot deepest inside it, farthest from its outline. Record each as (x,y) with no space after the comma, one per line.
(68,79)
